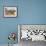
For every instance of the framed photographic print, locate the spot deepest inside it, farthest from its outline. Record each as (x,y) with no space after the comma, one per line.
(10,11)
(33,32)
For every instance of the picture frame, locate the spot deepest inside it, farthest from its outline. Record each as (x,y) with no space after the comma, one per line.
(10,11)
(39,32)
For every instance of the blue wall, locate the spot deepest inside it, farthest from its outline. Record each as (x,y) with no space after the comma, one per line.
(29,12)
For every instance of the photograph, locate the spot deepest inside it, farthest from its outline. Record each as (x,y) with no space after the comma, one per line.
(32,32)
(10,11)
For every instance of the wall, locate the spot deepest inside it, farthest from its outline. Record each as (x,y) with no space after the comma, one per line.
(7,25)
(29,12)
